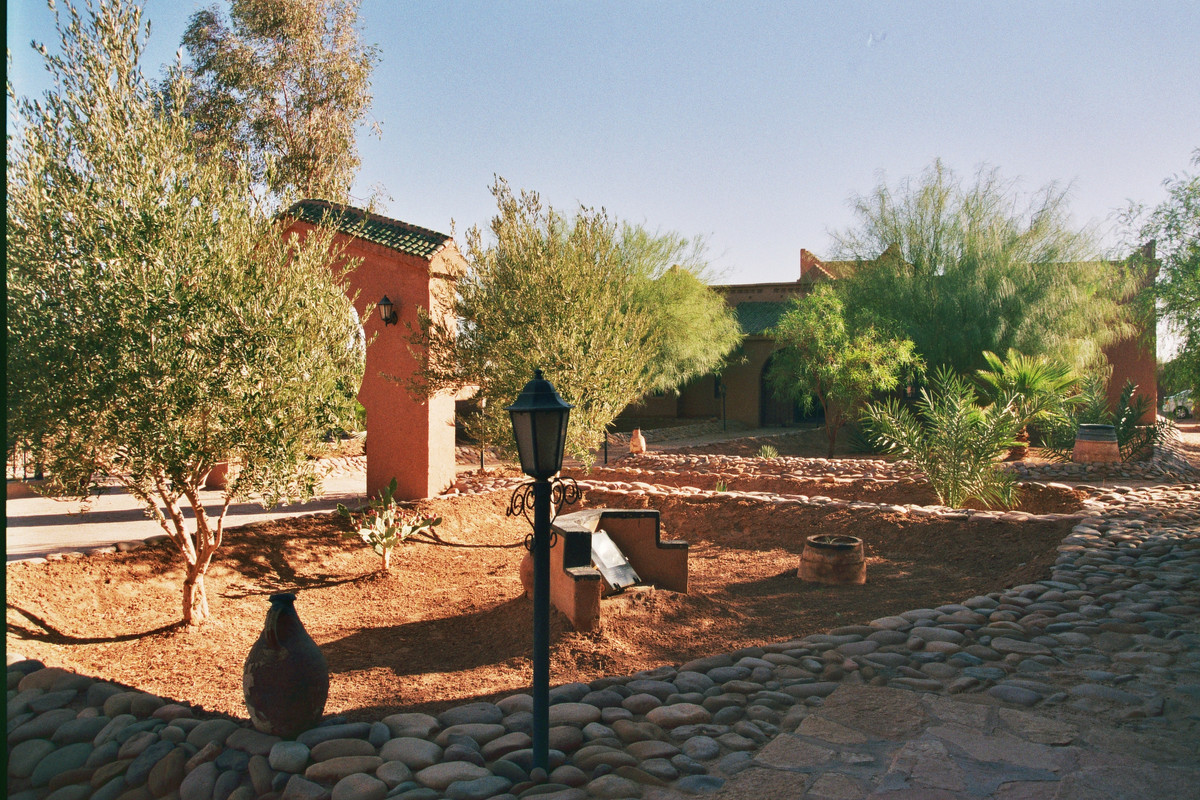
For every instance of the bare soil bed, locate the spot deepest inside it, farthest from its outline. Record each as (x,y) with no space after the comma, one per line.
(450,624)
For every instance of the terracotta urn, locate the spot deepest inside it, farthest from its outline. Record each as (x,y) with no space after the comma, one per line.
(286,678)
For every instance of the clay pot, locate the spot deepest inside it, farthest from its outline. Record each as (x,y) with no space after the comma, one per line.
(286,678)
(833,559)
(1096,444)
(221,474)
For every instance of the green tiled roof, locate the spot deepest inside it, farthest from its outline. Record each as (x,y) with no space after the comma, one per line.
(391,233)
(757,318)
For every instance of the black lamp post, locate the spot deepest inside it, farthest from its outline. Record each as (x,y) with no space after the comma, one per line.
(539,420)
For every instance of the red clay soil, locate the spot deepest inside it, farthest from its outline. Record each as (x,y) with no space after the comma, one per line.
(450,624)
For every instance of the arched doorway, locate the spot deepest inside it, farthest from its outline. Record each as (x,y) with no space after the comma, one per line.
(773,412)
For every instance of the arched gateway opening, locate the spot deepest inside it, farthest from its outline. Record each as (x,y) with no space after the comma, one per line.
(409,439)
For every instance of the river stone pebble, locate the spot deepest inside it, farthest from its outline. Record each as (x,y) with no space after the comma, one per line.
(701,748)
(578,714)
(394,773)
(416,753)
(25,756)
(1005,645)
(199,783)
(214,731)
(602,698)
(335,769)
(167,775)
(415,725)
(629,731)
(651,748)
(227,783)
(60,760)
(471,713)
(440,776)
(335,748)
(252,741)
(49,700)
(289,756)
(359,787)
(297,788)
(477,788)
(668,717)
(641,703)
(41,726)
(72,792)
(346,730)
(137,743)
(480,732)
(106,772)
(613,786)
(139,769)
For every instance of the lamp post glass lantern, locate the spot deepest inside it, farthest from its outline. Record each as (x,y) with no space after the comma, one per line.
(539,420)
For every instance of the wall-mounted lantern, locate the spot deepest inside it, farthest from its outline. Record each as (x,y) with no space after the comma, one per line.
(387,311)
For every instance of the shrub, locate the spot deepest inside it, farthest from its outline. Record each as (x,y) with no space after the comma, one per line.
(951,439)
(386,526)
(767,451)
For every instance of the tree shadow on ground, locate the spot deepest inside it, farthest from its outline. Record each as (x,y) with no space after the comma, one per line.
(46,632)
(463,642)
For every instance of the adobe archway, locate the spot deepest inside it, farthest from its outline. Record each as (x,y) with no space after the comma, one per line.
(408,439)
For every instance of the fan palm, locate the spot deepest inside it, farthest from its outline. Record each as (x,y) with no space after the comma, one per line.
(1031,386)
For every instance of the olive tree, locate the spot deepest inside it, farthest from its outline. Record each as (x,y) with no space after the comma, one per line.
(966,267)
(821,356)
(158,321)
(608,311)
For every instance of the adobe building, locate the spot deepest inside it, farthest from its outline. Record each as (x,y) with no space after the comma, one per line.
(408,439)
(743,389)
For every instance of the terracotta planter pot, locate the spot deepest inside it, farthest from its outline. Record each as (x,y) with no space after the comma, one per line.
(220,475)
(1096,444)
(833,560)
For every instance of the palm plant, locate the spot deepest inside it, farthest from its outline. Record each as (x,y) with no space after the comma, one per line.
(1091,406)
(1034,387)
(951,439)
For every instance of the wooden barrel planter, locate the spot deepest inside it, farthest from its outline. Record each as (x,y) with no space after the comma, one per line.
(1096,444)
(833,559)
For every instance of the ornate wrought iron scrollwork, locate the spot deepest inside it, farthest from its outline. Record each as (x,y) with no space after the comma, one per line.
(563,492)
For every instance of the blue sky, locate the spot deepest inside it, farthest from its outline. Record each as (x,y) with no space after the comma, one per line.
(750,124)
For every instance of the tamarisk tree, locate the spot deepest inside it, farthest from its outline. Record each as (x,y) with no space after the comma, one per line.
(158,321)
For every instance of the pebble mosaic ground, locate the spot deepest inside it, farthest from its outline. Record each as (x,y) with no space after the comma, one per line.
(1083,685)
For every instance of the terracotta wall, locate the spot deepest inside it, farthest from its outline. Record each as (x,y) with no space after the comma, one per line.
(408,439)
(1136,359)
